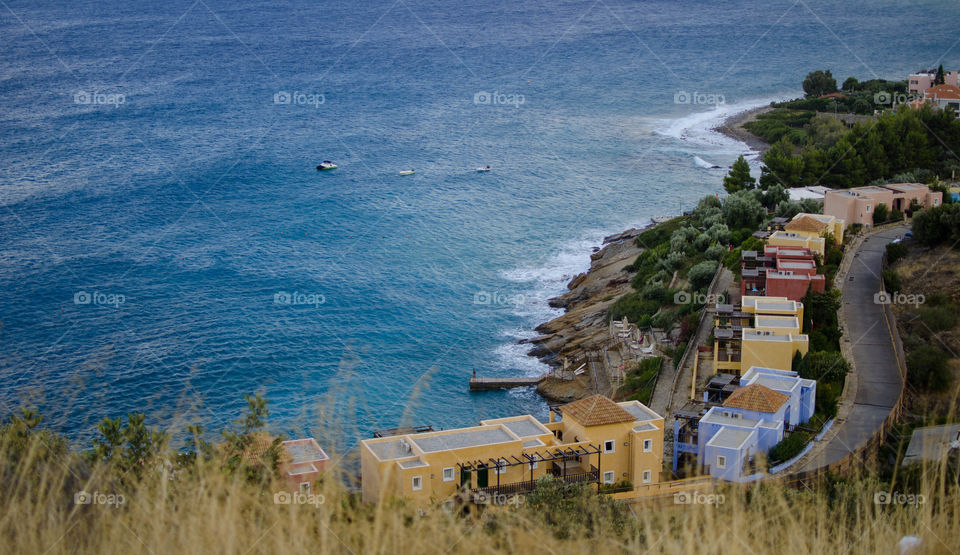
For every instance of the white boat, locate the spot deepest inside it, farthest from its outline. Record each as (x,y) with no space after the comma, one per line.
(407,172)
(484,169)
(326,165)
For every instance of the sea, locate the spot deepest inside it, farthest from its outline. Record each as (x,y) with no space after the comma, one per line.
(168,247)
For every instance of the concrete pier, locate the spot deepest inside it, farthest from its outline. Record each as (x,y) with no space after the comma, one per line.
(483,384)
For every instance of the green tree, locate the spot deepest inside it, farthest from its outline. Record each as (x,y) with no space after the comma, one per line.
(880,214)
(742,209)
(819,83)
(939,78)
(131,448)
(245,452)
(700,275)
(850,84)
(739,177)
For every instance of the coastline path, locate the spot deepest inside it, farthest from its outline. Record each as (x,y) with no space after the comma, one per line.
(868,343)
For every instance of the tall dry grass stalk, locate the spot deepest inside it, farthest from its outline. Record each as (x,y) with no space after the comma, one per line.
(204,510)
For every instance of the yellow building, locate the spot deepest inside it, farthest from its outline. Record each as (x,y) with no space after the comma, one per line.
(808,231)
(597,441)
(763,331)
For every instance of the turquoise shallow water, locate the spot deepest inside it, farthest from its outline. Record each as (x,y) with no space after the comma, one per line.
(196,202)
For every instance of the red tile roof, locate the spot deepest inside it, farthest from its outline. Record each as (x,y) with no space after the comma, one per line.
(756,397)
(946,92)
(596,411)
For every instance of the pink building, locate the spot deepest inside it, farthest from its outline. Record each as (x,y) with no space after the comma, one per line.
(857,205)
(918,83)
(780,272)
(301,464)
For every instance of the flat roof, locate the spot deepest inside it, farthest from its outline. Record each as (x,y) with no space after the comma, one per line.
(716,416)
(763,335)
(413,463)
(304,451)
(533,443)
(767,321)
(446,441)
(526,427)
(800,264)
(775,382)
(644,427)
(393,449)
(640,412)
(731,438)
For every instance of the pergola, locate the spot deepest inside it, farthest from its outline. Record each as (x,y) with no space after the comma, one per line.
(530,459)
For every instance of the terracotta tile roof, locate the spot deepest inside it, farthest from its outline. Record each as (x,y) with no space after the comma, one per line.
(596,411)
(946,92)
(756,397)
(806,223)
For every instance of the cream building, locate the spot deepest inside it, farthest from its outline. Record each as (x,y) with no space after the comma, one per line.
(597,441)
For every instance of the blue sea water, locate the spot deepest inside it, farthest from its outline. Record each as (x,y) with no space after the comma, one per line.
(146,167)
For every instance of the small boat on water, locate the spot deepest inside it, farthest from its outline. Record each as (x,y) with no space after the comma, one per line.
(326,165)
(484,169)
(407,172)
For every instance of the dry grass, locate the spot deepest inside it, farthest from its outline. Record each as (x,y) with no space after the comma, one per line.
(206,511)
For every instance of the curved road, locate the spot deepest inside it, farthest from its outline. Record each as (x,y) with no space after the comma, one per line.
(869,342)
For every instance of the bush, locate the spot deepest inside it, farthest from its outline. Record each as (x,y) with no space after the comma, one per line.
(939,318)
(702,274)
(789,447)
(880,214)
(637,309)
(715,252)
(742,209)
(891,280)
(824,366)
(927,368)
(895,251)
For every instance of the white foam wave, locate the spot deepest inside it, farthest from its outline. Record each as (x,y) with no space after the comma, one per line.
(704,164)
(697,128)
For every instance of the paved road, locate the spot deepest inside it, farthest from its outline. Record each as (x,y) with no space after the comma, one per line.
(877,376)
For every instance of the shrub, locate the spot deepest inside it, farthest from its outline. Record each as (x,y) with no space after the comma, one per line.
(927,368)
(715,252)
(789,447)
(891,280)
(824,366)
(701,274)
(939,318)
(895,251)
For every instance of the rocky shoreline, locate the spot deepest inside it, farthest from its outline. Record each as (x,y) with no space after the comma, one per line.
(583,326)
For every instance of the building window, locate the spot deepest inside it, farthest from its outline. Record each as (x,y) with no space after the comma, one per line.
(533,465)
(501,466)
(868,209)
(305,488)
(608,446)
(609,477)
(448,474)
(646,476)
(417,483)
(647,445)
(721,462)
